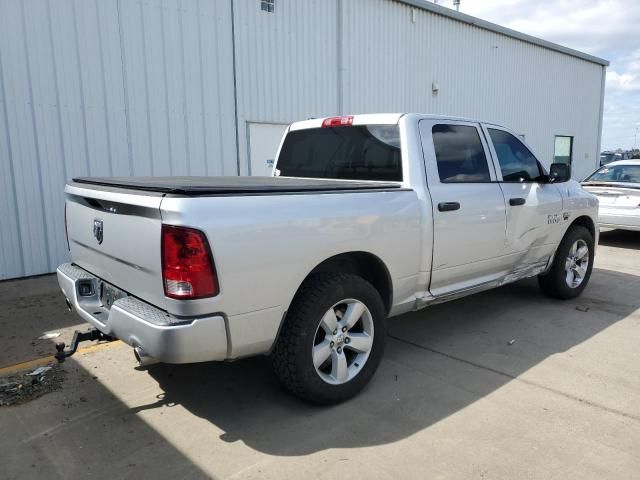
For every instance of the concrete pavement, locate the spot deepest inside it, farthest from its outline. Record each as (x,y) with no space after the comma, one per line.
(504,384)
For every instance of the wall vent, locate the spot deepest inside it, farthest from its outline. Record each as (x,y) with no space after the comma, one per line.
(268,5)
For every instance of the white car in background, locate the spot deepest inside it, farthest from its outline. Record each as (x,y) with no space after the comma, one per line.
(617,186)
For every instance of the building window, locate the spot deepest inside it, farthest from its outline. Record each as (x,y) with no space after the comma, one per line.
(563,149)
(267,5)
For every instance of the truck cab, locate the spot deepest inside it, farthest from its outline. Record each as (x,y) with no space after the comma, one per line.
(494,213)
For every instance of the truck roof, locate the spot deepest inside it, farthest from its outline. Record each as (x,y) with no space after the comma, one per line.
(377,119)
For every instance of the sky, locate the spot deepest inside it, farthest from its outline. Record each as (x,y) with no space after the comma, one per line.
(609,29)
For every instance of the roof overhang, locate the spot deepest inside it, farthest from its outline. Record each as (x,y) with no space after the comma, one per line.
(477,22)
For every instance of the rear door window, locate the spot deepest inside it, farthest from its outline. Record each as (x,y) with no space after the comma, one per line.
(459,154)
(517,163)
(361,152)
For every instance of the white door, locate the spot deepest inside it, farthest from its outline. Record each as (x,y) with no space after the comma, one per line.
(469,213)
(535,218)
(264,141)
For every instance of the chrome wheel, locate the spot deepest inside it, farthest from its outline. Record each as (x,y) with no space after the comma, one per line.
(577,263)
(343,341)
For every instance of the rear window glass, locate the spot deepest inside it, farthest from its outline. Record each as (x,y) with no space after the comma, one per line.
(617,173)
(459,154)
(363,152)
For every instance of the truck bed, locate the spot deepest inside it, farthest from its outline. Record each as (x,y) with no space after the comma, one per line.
(194,186)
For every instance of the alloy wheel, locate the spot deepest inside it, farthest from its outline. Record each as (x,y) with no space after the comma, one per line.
(343,341)
(577,263)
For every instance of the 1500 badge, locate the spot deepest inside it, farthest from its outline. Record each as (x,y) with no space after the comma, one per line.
(557,218)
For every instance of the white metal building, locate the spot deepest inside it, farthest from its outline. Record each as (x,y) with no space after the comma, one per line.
(205,87)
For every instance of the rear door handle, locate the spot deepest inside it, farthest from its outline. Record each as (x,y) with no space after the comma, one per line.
(514,202)
(448,206)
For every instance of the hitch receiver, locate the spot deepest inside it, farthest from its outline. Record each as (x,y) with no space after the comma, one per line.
(78,336)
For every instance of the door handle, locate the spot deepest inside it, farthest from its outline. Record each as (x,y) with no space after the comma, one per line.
(514,202)
(448,206)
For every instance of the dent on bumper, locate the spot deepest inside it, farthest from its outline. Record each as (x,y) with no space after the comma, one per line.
(142,325)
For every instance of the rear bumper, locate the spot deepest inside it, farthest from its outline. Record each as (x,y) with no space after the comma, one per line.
(623,222)
(161,336)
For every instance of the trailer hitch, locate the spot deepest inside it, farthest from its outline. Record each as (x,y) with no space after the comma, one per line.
(78,336)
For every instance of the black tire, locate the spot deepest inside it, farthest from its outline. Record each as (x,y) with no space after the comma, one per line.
(554,283)
(292,356)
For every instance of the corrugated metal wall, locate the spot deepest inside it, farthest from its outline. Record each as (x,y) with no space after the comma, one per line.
(130,87)
(105,87)
(481,74)
(286,63)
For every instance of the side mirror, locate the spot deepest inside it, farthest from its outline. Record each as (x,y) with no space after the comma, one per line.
(559,172)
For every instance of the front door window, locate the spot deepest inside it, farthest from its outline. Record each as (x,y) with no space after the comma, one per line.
(517,163)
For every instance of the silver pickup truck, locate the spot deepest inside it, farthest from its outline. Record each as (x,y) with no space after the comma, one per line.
(366,217)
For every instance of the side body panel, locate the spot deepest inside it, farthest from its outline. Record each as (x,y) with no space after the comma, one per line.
(534,228)
(265,245)
(414,177)
(578,203)
(468,245)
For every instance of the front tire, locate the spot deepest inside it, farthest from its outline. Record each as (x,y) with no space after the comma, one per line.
(332,339)
(572,265)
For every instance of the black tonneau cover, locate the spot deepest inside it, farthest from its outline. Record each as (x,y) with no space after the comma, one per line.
(233,185)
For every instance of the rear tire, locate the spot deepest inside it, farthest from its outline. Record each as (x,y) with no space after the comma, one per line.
(332,339)
(572,265)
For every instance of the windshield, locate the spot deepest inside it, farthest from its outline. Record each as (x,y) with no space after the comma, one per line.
(363,152)
(617,173)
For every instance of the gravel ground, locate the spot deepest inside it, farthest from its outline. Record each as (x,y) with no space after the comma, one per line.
(22,387)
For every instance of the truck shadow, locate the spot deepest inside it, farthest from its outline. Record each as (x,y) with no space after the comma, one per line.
(438,361)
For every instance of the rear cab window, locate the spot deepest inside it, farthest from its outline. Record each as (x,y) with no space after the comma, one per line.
(460,156)
(357,152)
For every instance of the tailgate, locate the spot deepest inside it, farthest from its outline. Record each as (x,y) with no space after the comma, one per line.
(115,235)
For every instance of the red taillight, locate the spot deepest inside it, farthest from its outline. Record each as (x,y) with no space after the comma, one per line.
(188,271)
(337,122)
(66,232)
